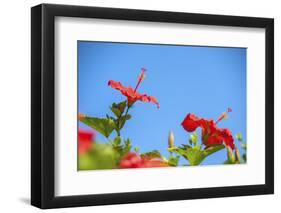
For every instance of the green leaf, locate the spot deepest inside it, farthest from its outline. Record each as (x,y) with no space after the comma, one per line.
(193,138)
(122,105)
(121,149)
(116,111)
(127,117)
(212,149)
(239,137)
(118,108)
(186,146)
(136,149)
(109,117)
(117,141)
(127,146)
(152,154)
(195,155)
(105,126)
(178,150)
(173,161)
(123,119)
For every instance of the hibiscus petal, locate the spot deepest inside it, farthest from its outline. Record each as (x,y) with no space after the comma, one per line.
(115,84)
(154,100)
(227,137)
(190,123)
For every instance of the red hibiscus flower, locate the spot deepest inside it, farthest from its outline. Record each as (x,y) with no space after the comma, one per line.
(132,94)
(211,134)
(85,140)
(190,123)
(134,160)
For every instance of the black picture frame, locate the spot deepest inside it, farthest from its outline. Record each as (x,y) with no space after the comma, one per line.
(43,102)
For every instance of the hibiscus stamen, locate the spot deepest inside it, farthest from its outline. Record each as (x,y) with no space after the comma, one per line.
(224,115)
(140,79)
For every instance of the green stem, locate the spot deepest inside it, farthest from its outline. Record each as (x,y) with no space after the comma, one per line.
(118,130)
(118,133)
(126,113)
(118,119)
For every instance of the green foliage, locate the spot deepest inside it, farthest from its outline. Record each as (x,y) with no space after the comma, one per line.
(118,108)
(122,120)
(193,138)
(239,137)
(212,149)
(136,149)
(195,155)
(104,156)
(119,148)
(127,145)
(101,156)
(173,160)
(105,126)
(117,141)
(152,154)
(108,156)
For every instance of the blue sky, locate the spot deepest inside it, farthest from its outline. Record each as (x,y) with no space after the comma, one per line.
(184,79)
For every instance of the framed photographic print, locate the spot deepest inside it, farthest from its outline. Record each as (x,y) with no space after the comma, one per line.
(140,106)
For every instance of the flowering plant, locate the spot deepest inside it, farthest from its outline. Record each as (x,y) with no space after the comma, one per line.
(213,138)
(117,152)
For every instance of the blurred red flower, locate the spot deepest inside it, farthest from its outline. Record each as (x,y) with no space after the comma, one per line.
(85,140)
(211,134)
(134,160)
(154,162)
(131,160)
(132,94)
